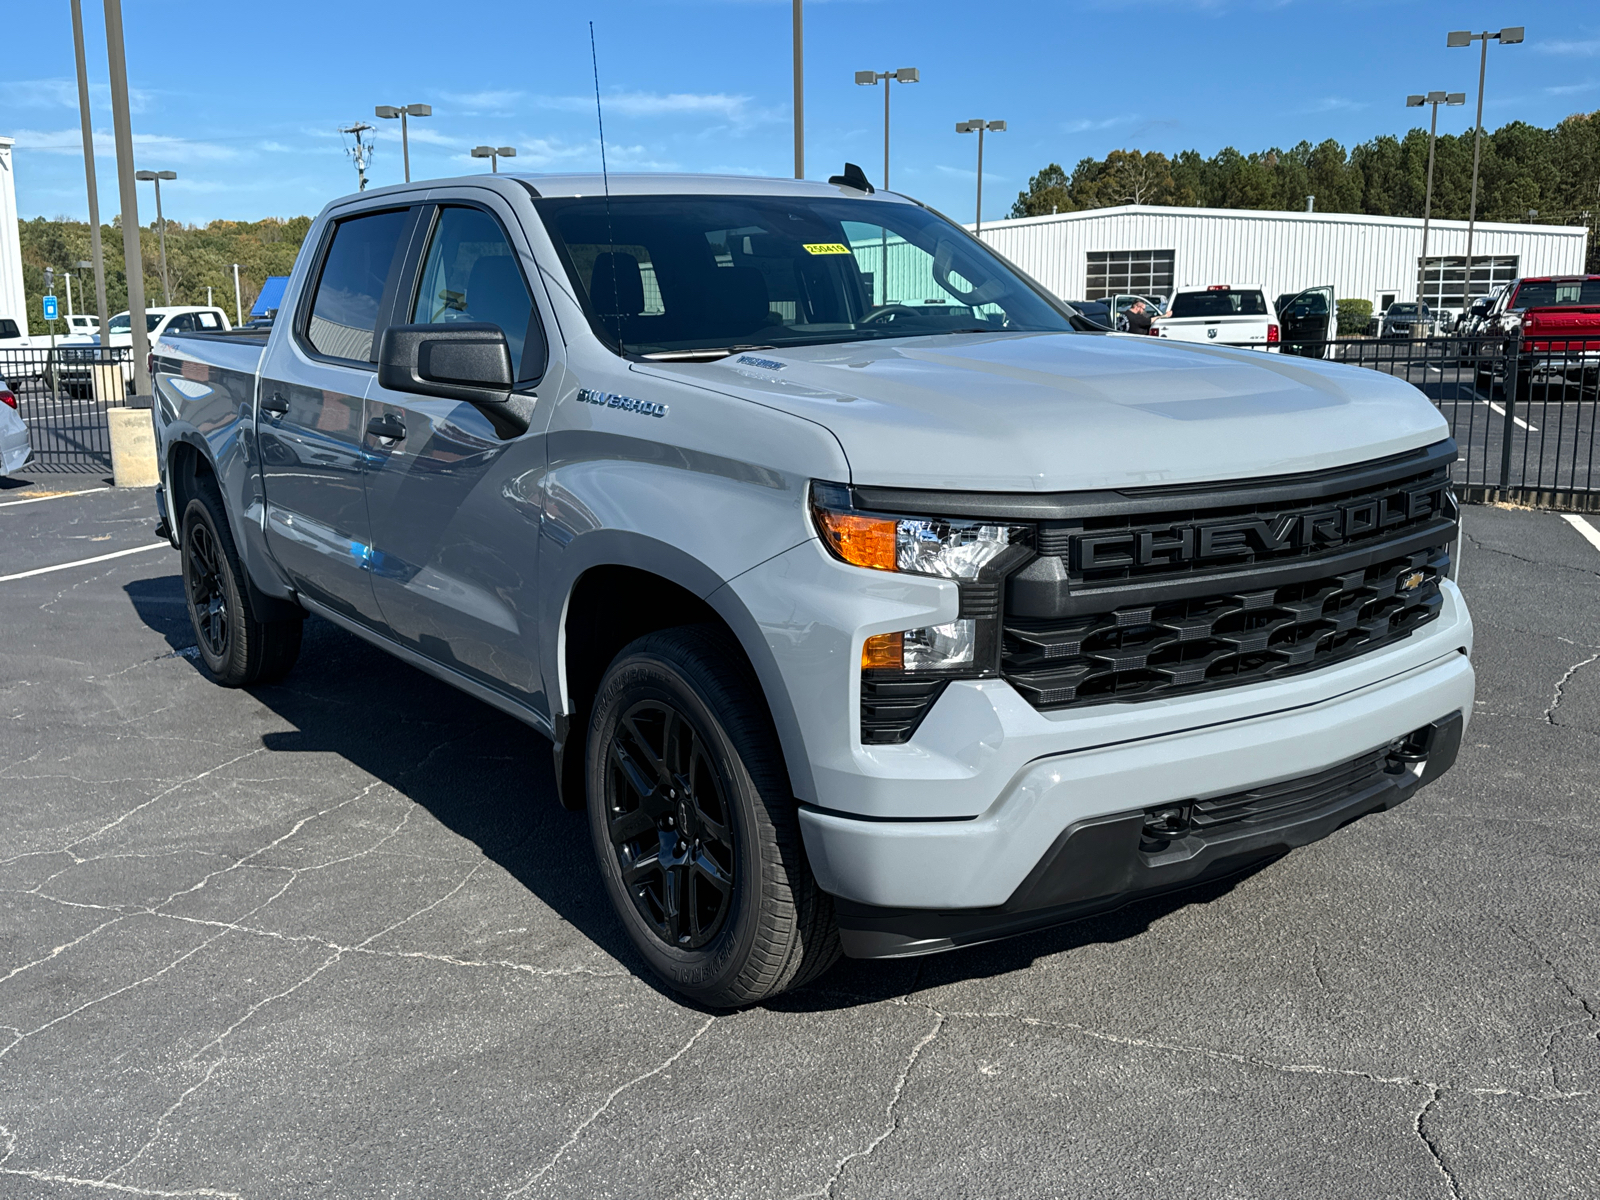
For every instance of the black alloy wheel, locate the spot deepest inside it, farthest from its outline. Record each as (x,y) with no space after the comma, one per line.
(236,647)
(208,602)
(694,826)
(667,814)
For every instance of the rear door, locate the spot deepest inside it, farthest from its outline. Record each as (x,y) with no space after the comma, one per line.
(454,525)
(311,411)
(1309,322)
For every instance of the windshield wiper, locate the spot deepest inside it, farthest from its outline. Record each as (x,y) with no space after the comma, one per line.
(709,354)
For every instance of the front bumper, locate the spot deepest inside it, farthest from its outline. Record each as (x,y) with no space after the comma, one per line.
(1107,862)
(985,862)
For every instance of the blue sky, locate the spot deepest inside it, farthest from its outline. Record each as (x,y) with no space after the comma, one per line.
(244,100)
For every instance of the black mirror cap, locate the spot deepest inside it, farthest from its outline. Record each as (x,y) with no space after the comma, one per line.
(468,361)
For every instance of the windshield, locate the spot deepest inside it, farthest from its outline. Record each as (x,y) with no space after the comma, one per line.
(1549,293)
(1402,310)
(123,323)
(672,275)
(1219,302)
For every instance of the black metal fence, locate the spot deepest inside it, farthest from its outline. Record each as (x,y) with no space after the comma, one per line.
(63,394)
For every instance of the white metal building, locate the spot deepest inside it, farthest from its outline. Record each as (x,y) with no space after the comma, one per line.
(13,302)
(1153,250)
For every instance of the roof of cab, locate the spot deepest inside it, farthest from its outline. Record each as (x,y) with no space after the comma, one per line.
(686,185)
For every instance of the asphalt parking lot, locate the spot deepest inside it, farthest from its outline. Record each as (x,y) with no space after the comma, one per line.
(335,938)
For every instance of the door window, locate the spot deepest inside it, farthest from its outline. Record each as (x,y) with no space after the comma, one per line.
(182,323)
(471,274)
(344,312)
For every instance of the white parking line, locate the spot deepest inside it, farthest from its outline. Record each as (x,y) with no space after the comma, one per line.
(51,496)
(1589,532)
(84,562)
(1502,412)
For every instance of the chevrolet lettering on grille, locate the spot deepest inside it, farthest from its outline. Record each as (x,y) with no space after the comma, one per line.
(1298,531)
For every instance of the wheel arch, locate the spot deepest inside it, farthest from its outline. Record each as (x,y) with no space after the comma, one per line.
(618,586)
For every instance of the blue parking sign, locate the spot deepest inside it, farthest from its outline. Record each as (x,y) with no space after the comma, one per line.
(49,308)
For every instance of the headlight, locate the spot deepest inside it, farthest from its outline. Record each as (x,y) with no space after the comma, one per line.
(945,548)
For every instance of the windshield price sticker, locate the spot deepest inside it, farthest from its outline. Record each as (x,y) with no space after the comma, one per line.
(825,248)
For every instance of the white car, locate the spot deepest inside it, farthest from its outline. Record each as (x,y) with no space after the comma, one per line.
(14,447)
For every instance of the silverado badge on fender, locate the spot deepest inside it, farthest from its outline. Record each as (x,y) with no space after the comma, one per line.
(625,403)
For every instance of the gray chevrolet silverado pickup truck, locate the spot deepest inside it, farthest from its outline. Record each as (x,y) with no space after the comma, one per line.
(873,600)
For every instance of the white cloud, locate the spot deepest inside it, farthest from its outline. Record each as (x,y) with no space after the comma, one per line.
(63,93)
(967,173)
(1572,89)
(146,145)
(734,109)
(1084,124)
(491,100)
(1574,49)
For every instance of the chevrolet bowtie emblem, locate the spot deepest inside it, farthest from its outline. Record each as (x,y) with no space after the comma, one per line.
(1411,582)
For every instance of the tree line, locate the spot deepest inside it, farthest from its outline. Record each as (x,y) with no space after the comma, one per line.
(1523,169)
(198,257)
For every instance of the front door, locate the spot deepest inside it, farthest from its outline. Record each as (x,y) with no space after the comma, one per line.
(1309,321)
(310,415)
(455,518)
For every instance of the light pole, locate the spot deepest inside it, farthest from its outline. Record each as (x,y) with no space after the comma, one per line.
(871,79)
(1511,35)
(161,222)
(1435,99)
(127,189)
(389,112)
(95,253)
(799,95)
(494,154)
(977,126)
(238,306)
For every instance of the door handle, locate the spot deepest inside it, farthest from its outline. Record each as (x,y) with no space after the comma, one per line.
(274,404)
(388,426)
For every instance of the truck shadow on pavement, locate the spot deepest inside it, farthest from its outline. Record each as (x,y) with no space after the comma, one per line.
(488,778)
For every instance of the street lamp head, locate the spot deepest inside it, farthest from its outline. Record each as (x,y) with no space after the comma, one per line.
(997,126)
(911,75)
(964,127)
(507,151)
(1457,38)
(85,265)
(866,78)
(166,174)
(1511,35)
(144,176)
(387,111)
(1456,98)
(1436,97)
(1416,101)
(483,152)
(419,110)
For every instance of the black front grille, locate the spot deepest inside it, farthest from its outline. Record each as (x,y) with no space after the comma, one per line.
(1221,639)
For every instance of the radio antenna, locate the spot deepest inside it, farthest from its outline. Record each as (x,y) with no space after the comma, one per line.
(605,179)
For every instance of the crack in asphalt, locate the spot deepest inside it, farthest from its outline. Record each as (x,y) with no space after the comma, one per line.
(572,1138)
(1532,562)
(893,1118)
(222,1037)
(1433,1148)
(1561,686)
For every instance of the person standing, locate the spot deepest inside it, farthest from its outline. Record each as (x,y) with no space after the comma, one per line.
(1139,317)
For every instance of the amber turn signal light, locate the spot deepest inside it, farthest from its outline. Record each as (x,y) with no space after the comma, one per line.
(884,651)
(860,541)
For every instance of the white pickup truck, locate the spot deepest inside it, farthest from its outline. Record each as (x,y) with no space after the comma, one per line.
(1240,314)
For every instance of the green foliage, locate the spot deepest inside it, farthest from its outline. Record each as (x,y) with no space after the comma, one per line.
(198,256)
(1354,317)
(1555,171)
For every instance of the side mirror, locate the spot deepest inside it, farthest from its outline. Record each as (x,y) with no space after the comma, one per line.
(466,361)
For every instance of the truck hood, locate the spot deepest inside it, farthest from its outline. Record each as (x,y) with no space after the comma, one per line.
(1065,412)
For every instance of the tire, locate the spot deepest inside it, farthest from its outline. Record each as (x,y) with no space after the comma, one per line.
(236,649)
(735,916)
